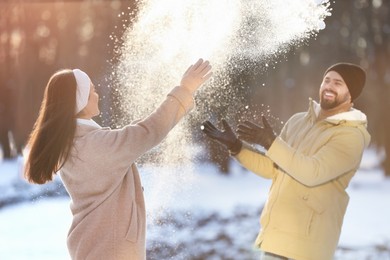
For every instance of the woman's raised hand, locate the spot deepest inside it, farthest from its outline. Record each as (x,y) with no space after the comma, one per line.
(196,75)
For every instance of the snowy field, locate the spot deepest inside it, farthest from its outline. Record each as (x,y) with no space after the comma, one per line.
(210,217)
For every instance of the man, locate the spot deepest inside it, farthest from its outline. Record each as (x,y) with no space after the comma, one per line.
(310,163)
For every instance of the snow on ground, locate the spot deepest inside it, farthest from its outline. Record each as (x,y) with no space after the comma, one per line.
(37,227)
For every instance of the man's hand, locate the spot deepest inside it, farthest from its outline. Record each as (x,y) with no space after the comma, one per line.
(253,133)
(225,137)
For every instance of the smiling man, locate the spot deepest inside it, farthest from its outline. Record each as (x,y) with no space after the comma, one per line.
(341,85)
(310,163)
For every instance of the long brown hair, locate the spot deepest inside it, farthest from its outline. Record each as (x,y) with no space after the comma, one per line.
(52,136)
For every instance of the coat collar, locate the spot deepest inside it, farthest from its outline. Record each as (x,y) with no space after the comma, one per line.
(351,117)
(85,126)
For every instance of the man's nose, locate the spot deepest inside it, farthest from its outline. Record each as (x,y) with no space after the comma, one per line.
(329,86)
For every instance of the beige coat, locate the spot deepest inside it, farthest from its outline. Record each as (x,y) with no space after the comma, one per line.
(311,164)
(102,180)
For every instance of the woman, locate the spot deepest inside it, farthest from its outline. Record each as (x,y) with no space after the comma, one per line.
(97,164)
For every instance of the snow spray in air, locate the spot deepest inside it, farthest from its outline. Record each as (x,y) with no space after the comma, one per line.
(167,36)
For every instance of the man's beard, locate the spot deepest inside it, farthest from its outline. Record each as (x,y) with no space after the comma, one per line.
(327,104)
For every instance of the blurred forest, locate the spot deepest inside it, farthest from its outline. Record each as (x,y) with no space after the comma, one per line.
(38,37)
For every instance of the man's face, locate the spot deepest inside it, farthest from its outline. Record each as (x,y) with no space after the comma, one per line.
(333,91)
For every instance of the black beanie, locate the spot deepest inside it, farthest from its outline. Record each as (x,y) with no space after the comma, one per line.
(353,75)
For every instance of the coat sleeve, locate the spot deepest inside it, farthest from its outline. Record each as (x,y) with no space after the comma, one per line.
(256,162)
(340,155)
(123,146)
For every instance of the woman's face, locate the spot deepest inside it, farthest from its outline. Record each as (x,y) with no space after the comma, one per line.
(92,107)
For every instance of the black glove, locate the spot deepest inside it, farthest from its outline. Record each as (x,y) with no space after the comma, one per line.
(226,137)
(252,133)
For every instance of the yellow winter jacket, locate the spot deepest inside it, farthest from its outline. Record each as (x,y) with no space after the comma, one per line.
(311,164)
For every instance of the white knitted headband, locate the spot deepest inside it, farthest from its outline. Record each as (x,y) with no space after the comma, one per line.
(83,88)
